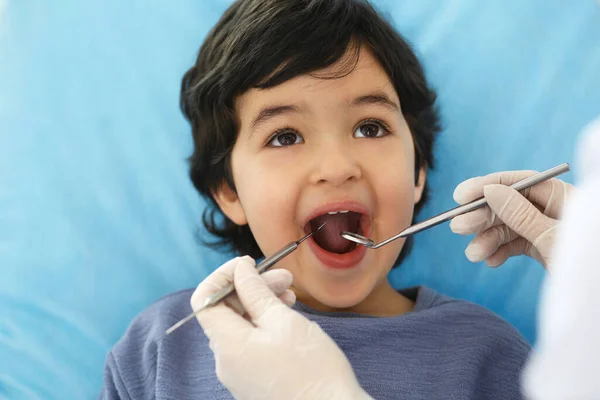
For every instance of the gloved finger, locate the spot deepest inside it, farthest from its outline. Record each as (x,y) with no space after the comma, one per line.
(218,320)
(517,212)
(547,196)
(277,280)
(214,282)
(221,324)
(550,195)
(478,221)
(226,329)
(542,248)
(474,222)
(472,188)
(487,242)
(514,248)
(254,295)
(288,297)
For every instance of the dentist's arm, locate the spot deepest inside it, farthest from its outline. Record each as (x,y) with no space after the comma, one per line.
(566,362)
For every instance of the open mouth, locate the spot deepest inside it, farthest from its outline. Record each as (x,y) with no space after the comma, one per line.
(328,238)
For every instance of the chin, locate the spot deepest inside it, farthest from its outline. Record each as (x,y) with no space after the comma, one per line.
(348,298)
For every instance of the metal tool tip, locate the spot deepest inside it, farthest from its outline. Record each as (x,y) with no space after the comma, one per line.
(356,238)
(310,234)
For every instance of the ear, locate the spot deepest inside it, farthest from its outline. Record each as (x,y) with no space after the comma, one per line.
(420,184)
(230,204)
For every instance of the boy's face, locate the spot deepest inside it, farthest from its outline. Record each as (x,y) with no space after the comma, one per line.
(311,146)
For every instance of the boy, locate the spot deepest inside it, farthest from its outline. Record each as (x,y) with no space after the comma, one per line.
(304,112)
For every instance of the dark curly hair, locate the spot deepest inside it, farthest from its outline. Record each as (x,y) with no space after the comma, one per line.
(263,43)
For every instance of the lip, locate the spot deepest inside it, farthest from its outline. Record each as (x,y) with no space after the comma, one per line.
(338,261)
(347,260)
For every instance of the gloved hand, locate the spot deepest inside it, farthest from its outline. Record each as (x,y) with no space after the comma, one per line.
(275,352)
(277,280)
(514,223)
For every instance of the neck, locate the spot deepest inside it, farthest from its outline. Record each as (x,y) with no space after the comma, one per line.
(383,301)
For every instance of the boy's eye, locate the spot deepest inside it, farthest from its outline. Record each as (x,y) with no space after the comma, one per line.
(285,138)
(371,129)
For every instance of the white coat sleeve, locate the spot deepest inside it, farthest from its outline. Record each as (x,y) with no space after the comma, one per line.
(566,362)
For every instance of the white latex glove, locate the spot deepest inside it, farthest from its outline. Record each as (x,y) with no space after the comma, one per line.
(275,352)
(566,362)
(277,280)
(514,223)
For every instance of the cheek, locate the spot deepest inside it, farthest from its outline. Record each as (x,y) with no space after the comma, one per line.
(395,186)
(396,200)
(268,196)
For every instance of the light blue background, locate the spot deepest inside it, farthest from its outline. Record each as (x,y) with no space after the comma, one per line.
(98,218)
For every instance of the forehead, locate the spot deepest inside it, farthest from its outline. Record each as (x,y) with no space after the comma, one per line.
(346,79)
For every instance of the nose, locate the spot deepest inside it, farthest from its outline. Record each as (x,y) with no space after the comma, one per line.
(337,164)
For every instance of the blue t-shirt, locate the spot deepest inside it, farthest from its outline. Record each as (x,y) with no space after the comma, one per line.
(443,349)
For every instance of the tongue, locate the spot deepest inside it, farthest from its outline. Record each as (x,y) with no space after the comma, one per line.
(329,237)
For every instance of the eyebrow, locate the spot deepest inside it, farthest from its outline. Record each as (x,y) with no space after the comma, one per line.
(267,113)
(377,98)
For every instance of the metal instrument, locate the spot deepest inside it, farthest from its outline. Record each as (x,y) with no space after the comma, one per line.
(229,289)
(448,215)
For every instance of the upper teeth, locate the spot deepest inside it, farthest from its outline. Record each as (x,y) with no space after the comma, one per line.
(340,211)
